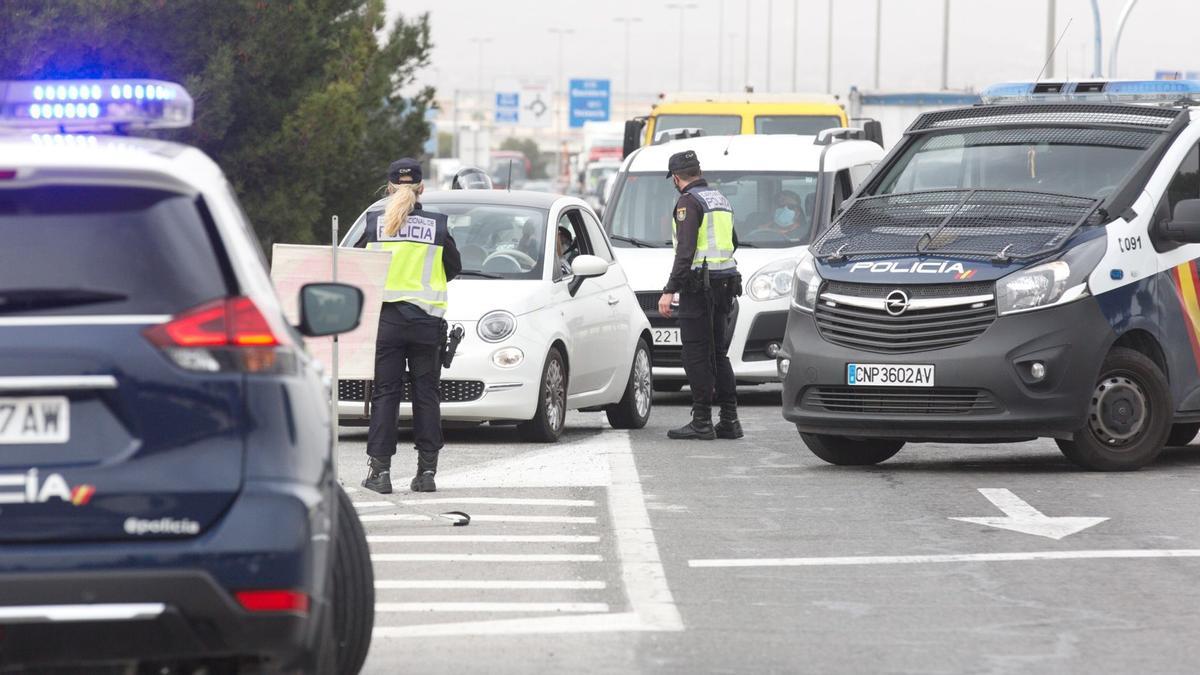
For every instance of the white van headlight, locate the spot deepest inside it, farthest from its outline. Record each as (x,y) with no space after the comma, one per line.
(496,326)
(806,283)
(774,280)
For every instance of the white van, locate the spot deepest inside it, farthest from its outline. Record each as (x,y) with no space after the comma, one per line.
(757,174)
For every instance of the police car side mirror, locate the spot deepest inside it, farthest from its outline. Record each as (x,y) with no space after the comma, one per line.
(1184,225)
(329,309)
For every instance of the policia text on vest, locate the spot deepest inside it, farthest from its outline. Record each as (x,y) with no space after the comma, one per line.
(705,275)
(408,346)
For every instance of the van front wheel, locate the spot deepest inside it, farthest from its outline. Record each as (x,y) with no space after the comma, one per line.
(1129,416)
(846,451)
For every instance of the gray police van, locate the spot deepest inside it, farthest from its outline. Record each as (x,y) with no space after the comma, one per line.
(1018,269)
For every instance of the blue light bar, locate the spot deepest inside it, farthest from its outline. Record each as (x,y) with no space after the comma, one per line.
(94,105)
(1116,91)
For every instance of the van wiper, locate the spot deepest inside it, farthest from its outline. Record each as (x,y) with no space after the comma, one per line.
(482,275)
(640,243)
(24,299)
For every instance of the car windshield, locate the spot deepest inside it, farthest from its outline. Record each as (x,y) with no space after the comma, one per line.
(497,240)
(712,125)
(1079,162)
(803,125)
(770,209)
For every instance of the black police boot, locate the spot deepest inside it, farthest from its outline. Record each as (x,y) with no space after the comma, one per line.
(700,428)
(729,426)
(423,482)
(379,476)
(427,461)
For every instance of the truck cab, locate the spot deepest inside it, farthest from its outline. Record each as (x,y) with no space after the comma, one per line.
(1018,269)
(783,190)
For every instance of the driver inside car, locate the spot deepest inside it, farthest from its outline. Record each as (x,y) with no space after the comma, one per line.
(788,217)
(565,250)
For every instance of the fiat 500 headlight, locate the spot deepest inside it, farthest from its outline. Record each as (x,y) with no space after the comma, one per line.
(774,280)
(496,326)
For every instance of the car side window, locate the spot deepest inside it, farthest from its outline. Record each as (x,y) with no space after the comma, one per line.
(571,243)
(596,237)
(859,173)
(841,189)
(1186,182)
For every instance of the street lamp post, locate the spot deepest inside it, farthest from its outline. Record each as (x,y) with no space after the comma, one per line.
(479,93)
(767,82)
(746,58)
(1112,54)
(682,7)
(628,21)
(829,50)
(559,96)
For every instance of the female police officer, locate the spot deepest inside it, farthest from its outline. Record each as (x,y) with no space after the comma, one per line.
(424,259)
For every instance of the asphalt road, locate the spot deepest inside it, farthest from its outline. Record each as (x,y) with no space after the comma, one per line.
(616,552)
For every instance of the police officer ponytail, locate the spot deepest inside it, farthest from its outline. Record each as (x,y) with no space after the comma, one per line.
(401,203)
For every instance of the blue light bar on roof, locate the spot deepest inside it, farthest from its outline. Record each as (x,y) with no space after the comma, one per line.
(94,105)
(1102,91)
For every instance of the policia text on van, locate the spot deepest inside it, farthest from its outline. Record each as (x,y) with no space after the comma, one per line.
(1018,269)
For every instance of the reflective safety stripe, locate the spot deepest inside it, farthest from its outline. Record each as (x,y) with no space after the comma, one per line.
(435,310)
(722,265)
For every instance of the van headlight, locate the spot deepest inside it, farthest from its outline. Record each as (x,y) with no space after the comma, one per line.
(496,326)
(1054,283)
(806,283)
(773,281)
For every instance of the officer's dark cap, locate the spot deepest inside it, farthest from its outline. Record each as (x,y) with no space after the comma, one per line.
(682,161)
(405,170)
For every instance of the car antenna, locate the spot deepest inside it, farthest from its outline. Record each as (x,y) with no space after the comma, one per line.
(1054,49)
(729,144)
(510,174)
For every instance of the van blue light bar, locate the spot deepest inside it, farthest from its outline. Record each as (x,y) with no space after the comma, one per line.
(94,105)
(1098,91)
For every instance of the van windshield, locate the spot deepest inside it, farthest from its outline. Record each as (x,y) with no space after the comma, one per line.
(712,125)
(802,125)
(770,209)
(1078,162)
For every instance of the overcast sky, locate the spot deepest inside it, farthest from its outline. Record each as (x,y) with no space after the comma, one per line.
(991,40)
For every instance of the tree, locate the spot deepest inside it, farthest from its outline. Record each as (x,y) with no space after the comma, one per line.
(302,103)
(529,148)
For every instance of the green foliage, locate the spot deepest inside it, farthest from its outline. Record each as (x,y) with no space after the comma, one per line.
(529,148)
(300,101)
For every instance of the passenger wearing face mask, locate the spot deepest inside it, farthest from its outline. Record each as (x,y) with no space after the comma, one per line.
(789,217)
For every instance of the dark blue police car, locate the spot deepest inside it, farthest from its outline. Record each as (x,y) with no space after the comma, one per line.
(167,487)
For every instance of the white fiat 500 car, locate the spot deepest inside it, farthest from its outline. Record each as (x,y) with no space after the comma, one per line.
(550,322)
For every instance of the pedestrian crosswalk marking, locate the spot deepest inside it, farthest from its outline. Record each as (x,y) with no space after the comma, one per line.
(491,607)
(488,584)
(509,501)
(484,538)
(486,557)
(484,518)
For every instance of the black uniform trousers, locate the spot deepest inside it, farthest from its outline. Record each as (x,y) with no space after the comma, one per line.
(404,345)
(706,330)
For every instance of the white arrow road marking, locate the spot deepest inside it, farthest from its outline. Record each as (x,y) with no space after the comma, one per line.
(1019,516)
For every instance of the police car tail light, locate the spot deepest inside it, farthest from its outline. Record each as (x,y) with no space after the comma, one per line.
(273,601)
(91,105)
(1115,91)
(229,334)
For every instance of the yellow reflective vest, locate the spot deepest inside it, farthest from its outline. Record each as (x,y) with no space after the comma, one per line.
(714,241)
(416,275)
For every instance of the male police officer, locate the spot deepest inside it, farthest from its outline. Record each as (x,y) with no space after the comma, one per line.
(424,259)
(705,276)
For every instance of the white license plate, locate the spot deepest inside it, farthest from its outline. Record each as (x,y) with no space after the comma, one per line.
(36,419)
(888,375)
(666,336)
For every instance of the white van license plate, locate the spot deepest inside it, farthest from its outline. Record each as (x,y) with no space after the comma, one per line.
(888,375)
(666,336)
(40,419)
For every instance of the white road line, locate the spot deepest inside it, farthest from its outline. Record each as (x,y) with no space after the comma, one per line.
(488,518)
(949,558)
(387,517)
(641,569)
(491,607)
(486,557)
(514,501)
(487,584)
(364,505)
(588,623)
(484,538)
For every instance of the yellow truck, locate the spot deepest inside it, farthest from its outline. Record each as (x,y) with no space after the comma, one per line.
(728,114)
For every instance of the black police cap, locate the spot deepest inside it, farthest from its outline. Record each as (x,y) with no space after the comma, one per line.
(405,170)
(682,161)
